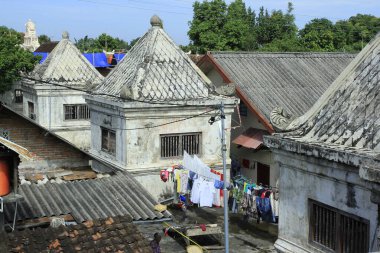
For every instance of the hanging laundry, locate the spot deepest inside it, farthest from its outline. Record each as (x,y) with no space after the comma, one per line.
(207,191)
(164,175)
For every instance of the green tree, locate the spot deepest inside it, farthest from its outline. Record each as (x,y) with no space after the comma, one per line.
(275,26)
(102,42)
(363,29)
(43,38)
(13,59)
(318,35)
(207,27)
(237,25)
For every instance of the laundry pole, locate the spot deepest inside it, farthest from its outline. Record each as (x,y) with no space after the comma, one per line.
(225,191)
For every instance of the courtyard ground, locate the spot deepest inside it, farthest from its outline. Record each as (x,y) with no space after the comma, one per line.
(244,236)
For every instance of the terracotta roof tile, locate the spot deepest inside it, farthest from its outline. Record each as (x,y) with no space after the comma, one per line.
(79,238)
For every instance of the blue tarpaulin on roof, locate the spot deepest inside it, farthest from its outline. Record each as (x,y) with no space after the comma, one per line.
(118,56)
(44,56)
(98,60)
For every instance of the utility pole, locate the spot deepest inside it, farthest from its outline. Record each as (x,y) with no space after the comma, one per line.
(225,191)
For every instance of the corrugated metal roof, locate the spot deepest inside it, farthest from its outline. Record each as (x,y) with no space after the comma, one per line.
(85,200)
(156,69)
(17,148)
(66,64)
(251,138)
(293,81)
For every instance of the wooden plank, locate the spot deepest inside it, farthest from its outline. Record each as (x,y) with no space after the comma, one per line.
(198,231)
(211,247)
(80,175)
(42,221)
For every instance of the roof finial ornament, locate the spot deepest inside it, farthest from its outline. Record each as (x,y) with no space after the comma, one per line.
(65,35)
(156,21)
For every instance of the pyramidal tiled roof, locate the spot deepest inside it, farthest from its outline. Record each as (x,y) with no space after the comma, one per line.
(66,64)
(156,69)
(347,116)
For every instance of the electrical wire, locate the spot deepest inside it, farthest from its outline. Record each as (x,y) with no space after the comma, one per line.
(154,102)
(163,124)
(130,129)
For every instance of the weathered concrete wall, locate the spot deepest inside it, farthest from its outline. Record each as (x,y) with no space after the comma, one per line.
(336,185)
(138,148)
(261,156)
(49,108)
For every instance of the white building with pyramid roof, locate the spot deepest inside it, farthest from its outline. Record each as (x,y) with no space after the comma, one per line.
(53,93)
(154,105)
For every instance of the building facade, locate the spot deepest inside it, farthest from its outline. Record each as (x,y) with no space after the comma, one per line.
(156,103)
(53,93)
(330,168)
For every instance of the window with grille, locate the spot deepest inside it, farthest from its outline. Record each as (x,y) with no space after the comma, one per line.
(108,141)
(80,111)
(173,145)
(18,96)
(243,109)
(337,231)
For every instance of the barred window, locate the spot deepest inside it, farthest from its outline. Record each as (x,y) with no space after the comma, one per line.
(18,96)
(173,145)
(337,231)
(108,141)
(80,111)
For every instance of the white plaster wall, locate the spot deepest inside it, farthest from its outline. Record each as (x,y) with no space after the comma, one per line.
(51,110)
(80,138)
(261,156)
(140,149)
(49,104)
(143,146)
(303,178)
(30,96)
(215,78)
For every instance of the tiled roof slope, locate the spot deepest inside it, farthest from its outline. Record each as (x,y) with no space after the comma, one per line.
(66,65)
(156,69)
(85,200)
(115,234)
(293,81)
(347,116)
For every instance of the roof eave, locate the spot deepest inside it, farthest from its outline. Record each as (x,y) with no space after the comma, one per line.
(208,57)
(354,158)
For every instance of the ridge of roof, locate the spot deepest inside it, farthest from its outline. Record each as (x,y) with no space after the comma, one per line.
(284,54)
(156,69)
(292,82)
(66,64)
(348,113)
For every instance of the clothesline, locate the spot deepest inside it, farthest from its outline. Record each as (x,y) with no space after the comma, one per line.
(237,178)
(197,166)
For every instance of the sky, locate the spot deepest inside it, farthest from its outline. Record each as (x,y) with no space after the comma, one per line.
(128,19)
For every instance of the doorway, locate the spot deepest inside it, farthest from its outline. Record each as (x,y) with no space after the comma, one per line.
(263,174)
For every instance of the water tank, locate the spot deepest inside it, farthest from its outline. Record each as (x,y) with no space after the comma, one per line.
(4,178)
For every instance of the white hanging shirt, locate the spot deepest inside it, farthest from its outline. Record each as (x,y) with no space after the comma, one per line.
(207,191)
